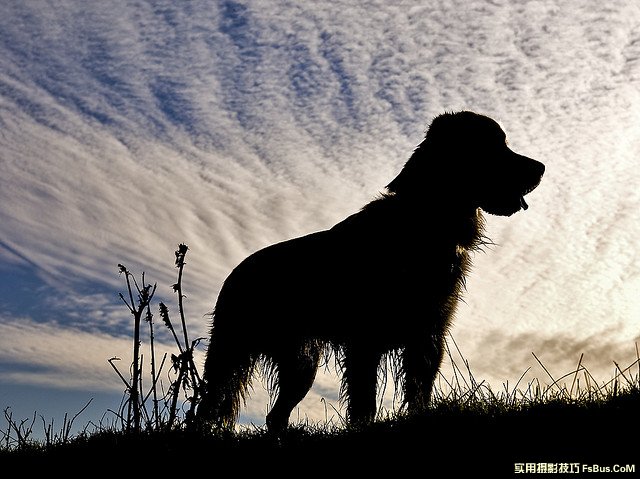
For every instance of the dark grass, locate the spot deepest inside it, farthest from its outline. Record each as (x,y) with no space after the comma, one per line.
(448,439)
(460,433)
(469,430)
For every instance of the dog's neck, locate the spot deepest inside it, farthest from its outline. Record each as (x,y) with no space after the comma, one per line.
(460,225)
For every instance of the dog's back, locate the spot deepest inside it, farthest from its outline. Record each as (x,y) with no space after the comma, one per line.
(351,282)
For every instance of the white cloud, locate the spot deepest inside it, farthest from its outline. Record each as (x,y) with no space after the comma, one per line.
(58,356)
(129,128)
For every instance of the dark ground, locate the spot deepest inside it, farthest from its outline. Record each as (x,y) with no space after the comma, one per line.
(441,444)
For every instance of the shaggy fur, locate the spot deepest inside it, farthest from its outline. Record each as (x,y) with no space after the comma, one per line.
(386,280)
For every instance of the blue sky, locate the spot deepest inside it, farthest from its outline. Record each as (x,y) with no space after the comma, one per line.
(128,127)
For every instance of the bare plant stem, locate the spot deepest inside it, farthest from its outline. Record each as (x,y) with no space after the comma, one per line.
(134,397)
(145,294)
(180,255)
(156,415)
(187,366)
(165,409)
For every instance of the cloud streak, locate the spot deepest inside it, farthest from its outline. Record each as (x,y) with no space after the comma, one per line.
(131,127)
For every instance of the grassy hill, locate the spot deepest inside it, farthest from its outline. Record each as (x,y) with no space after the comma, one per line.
(564,429)
(461,435)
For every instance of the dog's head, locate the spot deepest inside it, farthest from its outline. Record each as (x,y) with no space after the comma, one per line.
(465,157)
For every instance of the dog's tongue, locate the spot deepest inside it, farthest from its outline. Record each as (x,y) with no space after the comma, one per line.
(523,203)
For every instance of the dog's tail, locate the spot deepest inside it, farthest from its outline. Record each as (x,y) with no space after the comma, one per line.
(227,375)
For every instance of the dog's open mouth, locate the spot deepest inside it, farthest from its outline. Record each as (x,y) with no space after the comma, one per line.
(529,189)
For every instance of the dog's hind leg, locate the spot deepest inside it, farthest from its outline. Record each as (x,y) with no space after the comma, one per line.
(420,363)
(359,383)
(296,371)
(227,376)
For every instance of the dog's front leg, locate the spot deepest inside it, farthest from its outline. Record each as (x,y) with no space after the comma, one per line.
(359,383)
(421,360)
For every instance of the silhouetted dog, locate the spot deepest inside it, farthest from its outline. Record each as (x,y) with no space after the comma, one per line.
(385,280)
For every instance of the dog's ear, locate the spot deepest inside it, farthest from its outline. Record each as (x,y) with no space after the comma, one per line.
(413,174)
(410,172)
